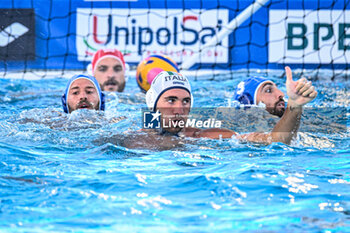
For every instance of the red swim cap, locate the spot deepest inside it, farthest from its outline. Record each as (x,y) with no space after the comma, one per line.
(104,53)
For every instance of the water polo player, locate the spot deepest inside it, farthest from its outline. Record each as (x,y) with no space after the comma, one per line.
(109,68)
(170,95)
(82,92)
(255,90)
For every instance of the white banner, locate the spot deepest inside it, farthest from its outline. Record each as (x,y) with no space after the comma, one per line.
(139,33)
(304,36)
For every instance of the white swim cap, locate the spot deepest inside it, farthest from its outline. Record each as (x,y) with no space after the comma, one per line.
(163,82)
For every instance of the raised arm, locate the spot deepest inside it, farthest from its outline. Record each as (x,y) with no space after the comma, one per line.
(300,93)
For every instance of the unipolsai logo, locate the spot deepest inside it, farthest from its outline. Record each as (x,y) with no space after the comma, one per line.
(151,120)
(138,32)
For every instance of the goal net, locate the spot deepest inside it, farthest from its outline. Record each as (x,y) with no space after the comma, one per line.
(219,36)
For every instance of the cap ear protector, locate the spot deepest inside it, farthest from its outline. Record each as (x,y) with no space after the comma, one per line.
(64,103)
(245,99)
(102,102)
(247,90)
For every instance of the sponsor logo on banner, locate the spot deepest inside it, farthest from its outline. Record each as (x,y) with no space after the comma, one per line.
(17,34)
(139,33)
(11,33)
(302,36)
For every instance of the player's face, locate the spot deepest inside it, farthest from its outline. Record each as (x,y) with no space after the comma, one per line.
(174,105)
(110,74)
(82,94)
(272,97)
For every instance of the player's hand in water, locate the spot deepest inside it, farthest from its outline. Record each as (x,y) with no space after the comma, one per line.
(299,92)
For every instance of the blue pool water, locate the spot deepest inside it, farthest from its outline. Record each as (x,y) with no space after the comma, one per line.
(71,173)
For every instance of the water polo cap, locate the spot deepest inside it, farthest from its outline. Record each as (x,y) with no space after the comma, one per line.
(164,81)
(246,91)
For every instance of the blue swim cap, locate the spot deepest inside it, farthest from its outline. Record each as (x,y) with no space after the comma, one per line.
(246,90)
(90,78)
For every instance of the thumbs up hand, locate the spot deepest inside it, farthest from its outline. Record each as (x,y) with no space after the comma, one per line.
(299,92)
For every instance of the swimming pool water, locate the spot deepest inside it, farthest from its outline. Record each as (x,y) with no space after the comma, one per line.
(71,173)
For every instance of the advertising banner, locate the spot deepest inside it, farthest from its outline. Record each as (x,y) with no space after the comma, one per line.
(321,36)
(174,32)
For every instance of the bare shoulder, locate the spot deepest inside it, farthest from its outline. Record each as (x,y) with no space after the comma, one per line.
(213,133)
(151,139)
(191,132)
